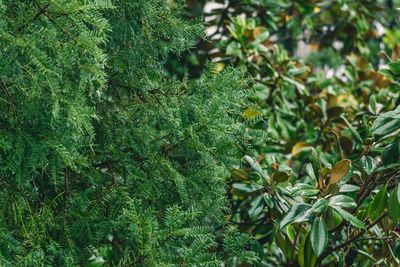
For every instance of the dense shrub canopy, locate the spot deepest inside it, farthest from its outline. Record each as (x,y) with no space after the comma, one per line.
(199,133)
(102,156)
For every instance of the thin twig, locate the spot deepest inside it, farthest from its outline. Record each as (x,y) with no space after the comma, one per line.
(351,239)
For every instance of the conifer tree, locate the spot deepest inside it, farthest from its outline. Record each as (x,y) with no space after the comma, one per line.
(104,158)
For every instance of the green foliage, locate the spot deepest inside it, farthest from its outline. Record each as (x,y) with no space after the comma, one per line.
(318,236)
(104,159)
(133,135)
(325,130)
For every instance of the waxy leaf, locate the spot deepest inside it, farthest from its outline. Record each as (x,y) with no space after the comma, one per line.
(398,193)
(394,205)
(386,123)
(342,201)
(256,166)
(332,219)
(310,171)
(353,131)
(368,164)
(395,67)
(305,190)
(346,188)
(319,236)
(378,204)
(298,213)
(350,218)
(391,154)
(306,257)
(320,205)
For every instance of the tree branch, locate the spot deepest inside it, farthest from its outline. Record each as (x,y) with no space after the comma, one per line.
(351,239)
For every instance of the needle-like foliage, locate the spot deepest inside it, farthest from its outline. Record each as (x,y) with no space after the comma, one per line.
(104,159)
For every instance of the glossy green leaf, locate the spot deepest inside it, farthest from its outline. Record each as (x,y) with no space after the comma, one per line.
(342,201)
(319,236)
(366,254)
(346,188)
(391,154)
(379,203)
(332,219)
(396,251)
(269,200)
(395,67)
(306,257)
(394,205)
(298,213)
(256,166)
(386,123)
(306,190)
(350,218)
(320,205)
(245,188)
(398,193)
(368,164)
(353,131)
(310,171)
(284,244)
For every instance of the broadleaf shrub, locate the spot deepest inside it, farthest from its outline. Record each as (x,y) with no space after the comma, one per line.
(324,126)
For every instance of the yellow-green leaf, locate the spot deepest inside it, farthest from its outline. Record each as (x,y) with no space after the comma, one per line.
(251,113)
(298,147)
(306,257)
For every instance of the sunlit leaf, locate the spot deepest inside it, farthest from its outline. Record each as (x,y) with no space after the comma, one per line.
(350,218)
(298,213)
(386,123)
(342,201)
(298,147)
(319,236)
(320,205)
(251,113)
(368,164)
